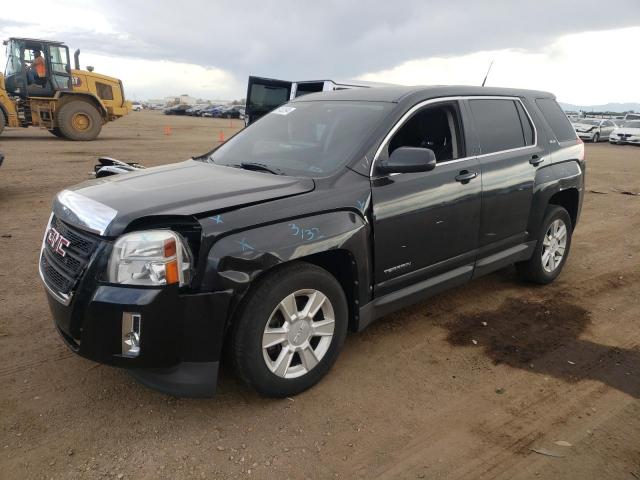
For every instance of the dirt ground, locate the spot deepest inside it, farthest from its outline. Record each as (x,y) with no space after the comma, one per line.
(428,392)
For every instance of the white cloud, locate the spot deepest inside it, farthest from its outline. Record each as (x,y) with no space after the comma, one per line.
(144,79)
(585,69)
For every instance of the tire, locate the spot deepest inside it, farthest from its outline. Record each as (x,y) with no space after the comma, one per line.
(79,120)
(287,367)
(56,132)
(596,138)
(3,121)
(542,267)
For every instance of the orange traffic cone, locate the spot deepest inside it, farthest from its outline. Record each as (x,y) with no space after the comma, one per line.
(221,137)
(167,130)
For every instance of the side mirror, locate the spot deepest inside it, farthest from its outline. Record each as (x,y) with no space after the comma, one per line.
(89,68)
(409,160)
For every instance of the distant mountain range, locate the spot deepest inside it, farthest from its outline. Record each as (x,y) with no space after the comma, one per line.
(608,107)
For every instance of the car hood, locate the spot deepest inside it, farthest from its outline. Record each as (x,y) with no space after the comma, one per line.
(106,206)
(583,127)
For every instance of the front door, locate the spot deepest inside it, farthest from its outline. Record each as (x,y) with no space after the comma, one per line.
(264,95)
(426,224)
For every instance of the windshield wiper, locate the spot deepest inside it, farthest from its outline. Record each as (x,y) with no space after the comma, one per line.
(261,167)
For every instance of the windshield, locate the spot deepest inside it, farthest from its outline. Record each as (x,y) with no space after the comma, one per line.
(304,138)
(634,124)
(588,122)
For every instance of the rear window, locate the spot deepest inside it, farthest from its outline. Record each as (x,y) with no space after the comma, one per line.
(499,125)
(557,120)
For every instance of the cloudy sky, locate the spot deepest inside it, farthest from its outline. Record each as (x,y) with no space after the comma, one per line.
(584,51)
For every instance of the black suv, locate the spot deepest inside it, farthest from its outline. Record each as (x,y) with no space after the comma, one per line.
(329,212)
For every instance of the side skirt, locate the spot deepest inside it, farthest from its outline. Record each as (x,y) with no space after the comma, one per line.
(381,306)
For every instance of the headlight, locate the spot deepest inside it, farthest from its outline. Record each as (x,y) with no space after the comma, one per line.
(150,257)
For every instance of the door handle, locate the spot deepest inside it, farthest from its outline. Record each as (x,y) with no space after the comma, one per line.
(536,160)
(465,176)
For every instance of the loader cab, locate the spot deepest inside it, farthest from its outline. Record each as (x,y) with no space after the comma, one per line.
(266,94)
(21,54)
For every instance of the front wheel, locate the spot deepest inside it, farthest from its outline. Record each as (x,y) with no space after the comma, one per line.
(290,330)
(3,121)
(79,120)
(596,138)
(552,248)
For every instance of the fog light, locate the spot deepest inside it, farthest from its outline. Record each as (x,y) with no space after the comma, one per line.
(131,327)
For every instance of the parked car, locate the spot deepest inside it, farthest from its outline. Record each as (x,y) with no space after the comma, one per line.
(177,110)
(233,111)
(196,109)
(629,133)
(136,106)
(332,211)
(594,129)
(212,111)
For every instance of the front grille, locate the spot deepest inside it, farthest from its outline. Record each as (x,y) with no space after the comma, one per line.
(61,272)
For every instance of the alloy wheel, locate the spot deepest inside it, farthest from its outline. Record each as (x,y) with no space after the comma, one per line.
(298,333)
(554,244)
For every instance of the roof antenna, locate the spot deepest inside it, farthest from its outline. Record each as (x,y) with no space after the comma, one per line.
(485,77)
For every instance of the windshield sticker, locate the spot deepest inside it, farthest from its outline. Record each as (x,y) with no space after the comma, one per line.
(284,110)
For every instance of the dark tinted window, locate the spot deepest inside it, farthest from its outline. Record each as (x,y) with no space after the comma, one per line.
(267,96)
(556,119)
(498,125)
(527,128)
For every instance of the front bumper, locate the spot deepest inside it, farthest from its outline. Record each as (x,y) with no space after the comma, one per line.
(586,135)
(624,141)
(181,334)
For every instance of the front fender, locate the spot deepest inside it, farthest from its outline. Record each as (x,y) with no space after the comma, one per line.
(236,260)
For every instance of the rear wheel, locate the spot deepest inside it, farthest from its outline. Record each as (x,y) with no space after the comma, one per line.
(3,120)
(79,120)
(552,248)
(290,330)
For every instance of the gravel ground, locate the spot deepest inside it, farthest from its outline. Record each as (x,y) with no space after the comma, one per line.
(496,379)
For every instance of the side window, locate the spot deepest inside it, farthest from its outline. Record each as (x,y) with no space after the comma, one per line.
(556,119)
(268,96)
(436,127)
(59,59)
(527,128)
(498,124)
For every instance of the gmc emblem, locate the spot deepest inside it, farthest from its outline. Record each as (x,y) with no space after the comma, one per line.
(57,242)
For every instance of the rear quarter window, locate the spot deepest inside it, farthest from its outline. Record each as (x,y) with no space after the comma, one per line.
(557,120)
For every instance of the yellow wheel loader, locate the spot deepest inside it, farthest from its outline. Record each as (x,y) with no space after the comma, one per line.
(40,88)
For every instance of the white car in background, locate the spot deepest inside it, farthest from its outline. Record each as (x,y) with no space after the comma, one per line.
(628,133)
(594,129)
(136,107)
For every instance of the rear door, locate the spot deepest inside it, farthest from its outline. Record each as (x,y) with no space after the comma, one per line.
(264,95)
(510,154)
